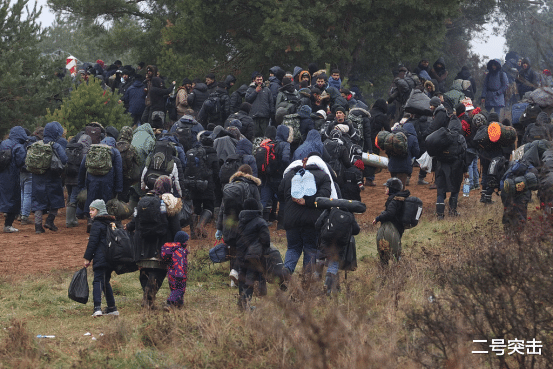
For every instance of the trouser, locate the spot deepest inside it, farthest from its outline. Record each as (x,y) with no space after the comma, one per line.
(72,193)
(136,119)
(8,220)
(442,193)
(473,173)
(401,176)
(268,193)
(39,213)
(178,288)
(26,182)
(300,240)
(151,280)
(101,284)
(203,204)
(260,125)
(145,118)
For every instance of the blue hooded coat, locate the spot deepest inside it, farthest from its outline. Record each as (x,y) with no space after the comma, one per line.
(48,188)
(103,187)
(495,85)
(245,147)
(135,97)
(312,143)
(10,191)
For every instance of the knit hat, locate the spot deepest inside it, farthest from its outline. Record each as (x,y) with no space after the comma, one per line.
(100,205)
(251,204)
(286,81)
(322,113)
(246,107)
(493,117)
(186,81)
(181,237)
(435,101)
(236,123)
(339,108)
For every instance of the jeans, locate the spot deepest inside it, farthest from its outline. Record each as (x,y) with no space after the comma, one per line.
(101,284)
(72,193)
(268,192)
(26,182)
(300,240)
(473,173)
(333,267)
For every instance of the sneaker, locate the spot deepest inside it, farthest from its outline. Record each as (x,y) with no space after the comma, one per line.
(97,313)
(234,275)
(422,182)
(10,229)
(110,311)
(25,220)
(232,284)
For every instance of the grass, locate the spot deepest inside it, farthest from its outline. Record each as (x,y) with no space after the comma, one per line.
(365,326)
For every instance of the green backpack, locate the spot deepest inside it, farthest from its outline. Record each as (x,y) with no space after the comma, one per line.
(98,160)
(39,157)
(293,122)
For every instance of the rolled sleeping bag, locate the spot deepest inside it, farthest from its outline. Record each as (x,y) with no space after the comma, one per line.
(353,206)
(374,160)
(119,209)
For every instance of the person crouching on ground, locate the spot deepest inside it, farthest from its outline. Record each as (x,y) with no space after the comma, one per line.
(96,251)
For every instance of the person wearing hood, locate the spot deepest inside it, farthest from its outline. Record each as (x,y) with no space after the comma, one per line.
(230,80)
(134,98)
(540,130)
(47,192)
(402,167)
(263,104)
(244,147)
(158,97)
(379,121)
(237,98)
(465,75)
(72,178)
(247,124)
(494,87)
(198,95)
(10,190)
(276,74)
(527,79)
(296,75)
(390,220)
(312,143)
(287,99)
(422,70)
(439,73)
(105,187)
(306,123)
(429,88)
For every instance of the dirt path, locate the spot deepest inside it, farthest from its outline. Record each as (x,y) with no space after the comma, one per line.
(26,253)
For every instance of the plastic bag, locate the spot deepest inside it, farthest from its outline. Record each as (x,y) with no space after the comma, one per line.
(78,288)
(425,162)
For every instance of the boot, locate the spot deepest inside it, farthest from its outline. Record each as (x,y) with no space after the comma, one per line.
(440,208)
(49,223)
(193,223)
(25,220)
(39,229)
(453,207)
(70,218)
(204,219)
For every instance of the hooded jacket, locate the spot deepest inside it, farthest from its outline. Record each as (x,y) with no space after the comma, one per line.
(237,98)
(495,85)
(465,75)
(311,144)
(103,187)
(134,97)
(10,191)
(542,128)
(158,94)
(244,147)
(48,187)
(439,73)
(439,120)
(197,97)
(283,138)
(394,210)
(97,241)
(254,240)
(527,79)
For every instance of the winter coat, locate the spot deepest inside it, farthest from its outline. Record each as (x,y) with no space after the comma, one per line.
(10,191)
(197,97)
(263,103)
(135,97)
(527,79)
(439,74)
(237,97)
(284,96)
(247,123)
(405,164)
(421,125)
(182,102)
(311,144)
(337,84)
(195,128)
(175,255)
(449,175)
(542,124)
(283,148)
(465,75)
(225,146)
(228,223)
(97,241)
(244,147)
(180,151)
(230,79)
(439,120)
(212,164)
(306,123)
(394,210)
(274,86)
(144,141)
(204,116)
(151,247)
(158,94)
(379,118)
(495,85)
(298,216)
(103,187)
(254,240)
(48,187)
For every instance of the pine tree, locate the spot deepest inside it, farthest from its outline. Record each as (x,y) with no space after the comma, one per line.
(87,103)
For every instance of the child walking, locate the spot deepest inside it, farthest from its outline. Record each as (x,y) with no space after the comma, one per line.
(175,254)
(96,251)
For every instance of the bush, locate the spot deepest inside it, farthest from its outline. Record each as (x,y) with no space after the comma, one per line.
(89,102)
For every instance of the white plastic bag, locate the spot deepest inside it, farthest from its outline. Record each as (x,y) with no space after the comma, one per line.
(425,162)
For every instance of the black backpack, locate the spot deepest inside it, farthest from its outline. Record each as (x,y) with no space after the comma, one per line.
(336,228)
(160,162)
(213,108)
(455,150)
(530,114)
(229,167)
(412,210)
(267,158)
(333,147)
(536,132)
(171,107)
(74,152)
(120,253)
(234,195)
(5,159)
(151,222)
(184,131)
(196,164)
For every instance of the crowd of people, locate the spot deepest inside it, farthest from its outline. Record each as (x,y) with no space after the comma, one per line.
(243,157)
